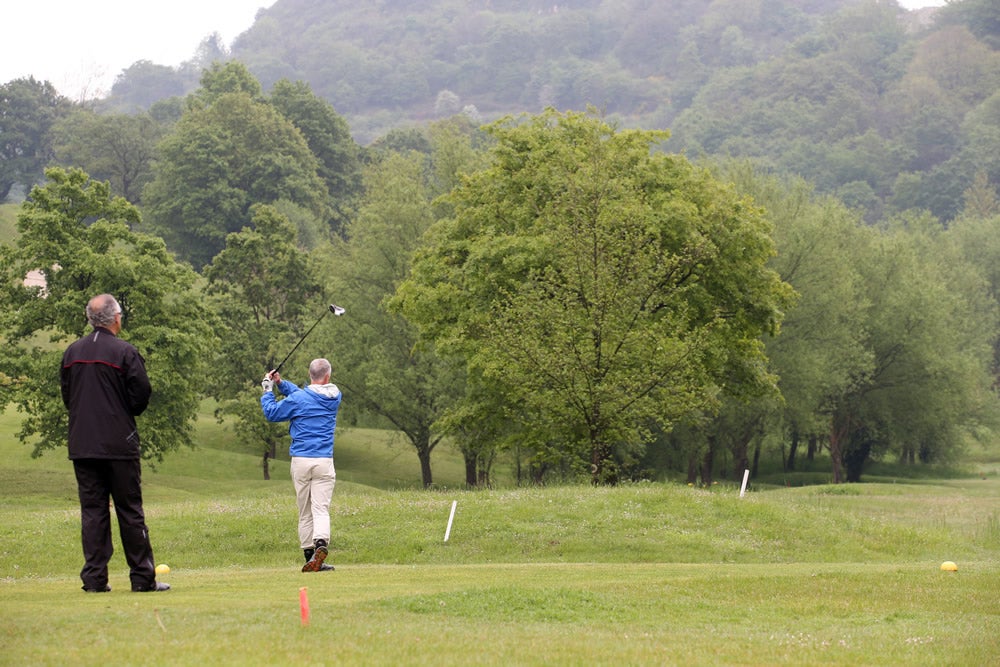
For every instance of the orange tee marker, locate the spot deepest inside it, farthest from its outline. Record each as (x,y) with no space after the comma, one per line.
(304,605)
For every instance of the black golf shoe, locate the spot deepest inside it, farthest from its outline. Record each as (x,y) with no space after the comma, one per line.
(99,589)
(315,563)
(155,587)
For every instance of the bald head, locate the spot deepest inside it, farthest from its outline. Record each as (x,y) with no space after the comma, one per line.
(103,311)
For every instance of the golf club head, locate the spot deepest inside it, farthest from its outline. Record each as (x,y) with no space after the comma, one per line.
(336,310)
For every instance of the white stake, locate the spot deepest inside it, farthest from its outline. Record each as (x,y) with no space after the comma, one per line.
(746,476)
(451,518)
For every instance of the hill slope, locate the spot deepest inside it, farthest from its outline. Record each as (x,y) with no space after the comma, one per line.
(885,108)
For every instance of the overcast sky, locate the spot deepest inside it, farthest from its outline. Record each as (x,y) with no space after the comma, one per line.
(82,46)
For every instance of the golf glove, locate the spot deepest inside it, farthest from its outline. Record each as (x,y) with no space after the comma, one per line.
(267,384)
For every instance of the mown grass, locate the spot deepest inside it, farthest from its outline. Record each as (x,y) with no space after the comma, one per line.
(525,614)
(8,222)
(565,575)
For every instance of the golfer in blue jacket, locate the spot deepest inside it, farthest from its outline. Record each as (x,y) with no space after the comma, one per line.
(312,413)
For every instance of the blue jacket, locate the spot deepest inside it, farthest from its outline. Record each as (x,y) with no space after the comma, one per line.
(313,415)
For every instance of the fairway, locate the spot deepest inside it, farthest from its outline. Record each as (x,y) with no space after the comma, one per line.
(542,614)
(640,574)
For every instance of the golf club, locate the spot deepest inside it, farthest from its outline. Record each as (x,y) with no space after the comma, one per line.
(336,310)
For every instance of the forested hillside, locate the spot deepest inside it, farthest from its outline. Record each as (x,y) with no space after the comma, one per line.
(887,109)
(638,58)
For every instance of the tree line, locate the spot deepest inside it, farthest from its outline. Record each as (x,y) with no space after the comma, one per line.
(552,290)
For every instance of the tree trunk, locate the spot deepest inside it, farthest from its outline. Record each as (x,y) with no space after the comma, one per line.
(793,448)
(424,454)
(741,459)
(600,471)
(269,453)
(839,428)
(854,459)
(471,479)
(692,474)
(756,459)
(484,468)
(707,463)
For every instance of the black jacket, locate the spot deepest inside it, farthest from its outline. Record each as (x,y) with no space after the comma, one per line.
(104,387)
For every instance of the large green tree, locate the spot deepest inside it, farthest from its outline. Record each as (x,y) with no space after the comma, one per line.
(79,238)
(144,83)
(118,148)
(28,110)
(820,353)
(376,353)
(329,139)
(928,330)
(262,287)
(600,286)
(977,237)
(229,151)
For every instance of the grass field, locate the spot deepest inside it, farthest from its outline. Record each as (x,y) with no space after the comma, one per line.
(8,222)
(644,574)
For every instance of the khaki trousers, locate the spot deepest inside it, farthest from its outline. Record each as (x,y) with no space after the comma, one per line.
(314,480)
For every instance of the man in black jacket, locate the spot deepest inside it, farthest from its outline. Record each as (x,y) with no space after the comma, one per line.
(105,387)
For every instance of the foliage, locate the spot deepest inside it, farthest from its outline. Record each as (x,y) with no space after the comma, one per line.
(329,139)
(261,286)
(377,360)
(976,238)
(502,57)
(927,327)
(225,79)
(118,148)
(598,286)
(982,17)
(79,238)
(229,151)
(846,94)
(820,353)
(873,377)
(143,84)
(28,110)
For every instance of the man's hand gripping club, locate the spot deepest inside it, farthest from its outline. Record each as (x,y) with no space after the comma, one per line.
(270,379)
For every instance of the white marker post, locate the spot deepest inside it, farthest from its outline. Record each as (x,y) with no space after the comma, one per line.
(451,518)
(746,476)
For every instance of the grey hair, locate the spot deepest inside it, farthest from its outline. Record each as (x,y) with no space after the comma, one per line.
(101,310)
(319,369)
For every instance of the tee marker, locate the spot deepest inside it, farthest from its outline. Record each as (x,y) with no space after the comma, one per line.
(304,605)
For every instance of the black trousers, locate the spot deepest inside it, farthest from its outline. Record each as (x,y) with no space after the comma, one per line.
(99,480)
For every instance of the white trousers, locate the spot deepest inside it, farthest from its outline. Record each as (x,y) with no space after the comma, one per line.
(314,480)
